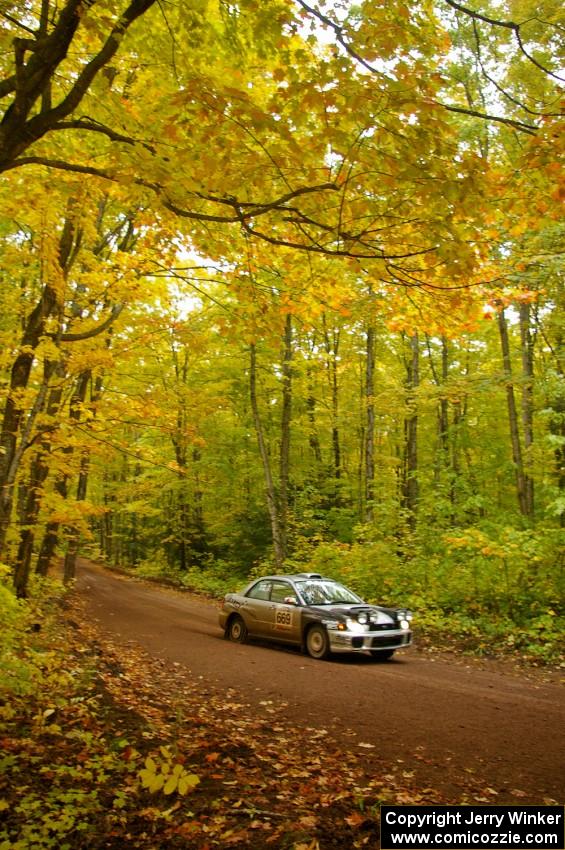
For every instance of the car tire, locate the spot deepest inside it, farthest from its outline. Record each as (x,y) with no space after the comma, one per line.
(317,642)
(382,654)
(236,630)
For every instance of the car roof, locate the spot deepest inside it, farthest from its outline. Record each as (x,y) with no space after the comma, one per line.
(292,577)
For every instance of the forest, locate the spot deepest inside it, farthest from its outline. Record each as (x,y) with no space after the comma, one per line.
(282,290)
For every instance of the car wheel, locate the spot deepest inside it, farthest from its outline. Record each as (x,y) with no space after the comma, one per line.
(382,654)
(317,642)
(237,630)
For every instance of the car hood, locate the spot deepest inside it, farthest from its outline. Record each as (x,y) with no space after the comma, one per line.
(379,616)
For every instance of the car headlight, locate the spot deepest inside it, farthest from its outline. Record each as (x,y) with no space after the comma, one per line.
(404,624)
(355,625)
(363,619)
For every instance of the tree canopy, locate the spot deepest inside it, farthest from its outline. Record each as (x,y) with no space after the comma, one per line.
(283,280)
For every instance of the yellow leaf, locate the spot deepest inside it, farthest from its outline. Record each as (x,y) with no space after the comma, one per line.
(188,782)
(171,785)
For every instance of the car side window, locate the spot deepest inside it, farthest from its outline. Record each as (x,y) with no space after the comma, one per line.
(280,590)
(261,590)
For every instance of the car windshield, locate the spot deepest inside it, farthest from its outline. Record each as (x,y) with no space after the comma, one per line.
(316,592)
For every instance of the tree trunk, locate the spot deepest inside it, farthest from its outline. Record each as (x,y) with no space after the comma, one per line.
(370,432)
(83,382)
(527,347)
(73,545)
(199,538)
(51,535)
(38,474)
(30,512)
(555,403)
(106,521)
(443,414)
(410,489)
(313,439)
(14,411)
(48,305)
(278,541)
(286,415)
(445,455)
(331,344)
(521,482)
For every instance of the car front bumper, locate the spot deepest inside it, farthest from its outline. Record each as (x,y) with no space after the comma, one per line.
(342,641)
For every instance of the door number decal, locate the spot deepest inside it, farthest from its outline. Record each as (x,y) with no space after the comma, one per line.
(283,619)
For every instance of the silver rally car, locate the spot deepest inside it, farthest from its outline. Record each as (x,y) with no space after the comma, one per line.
(316,613)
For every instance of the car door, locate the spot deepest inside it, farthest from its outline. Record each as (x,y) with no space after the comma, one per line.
(284,617)
(257,610)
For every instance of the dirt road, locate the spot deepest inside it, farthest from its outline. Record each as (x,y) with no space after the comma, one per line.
(484,731)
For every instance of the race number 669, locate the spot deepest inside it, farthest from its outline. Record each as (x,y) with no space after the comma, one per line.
(283,618)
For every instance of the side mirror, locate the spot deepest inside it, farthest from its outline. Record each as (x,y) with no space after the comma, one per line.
(290,600)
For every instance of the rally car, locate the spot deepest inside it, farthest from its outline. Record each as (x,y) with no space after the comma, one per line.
(316,613)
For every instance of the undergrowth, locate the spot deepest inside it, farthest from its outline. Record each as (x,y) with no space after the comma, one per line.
(487,591)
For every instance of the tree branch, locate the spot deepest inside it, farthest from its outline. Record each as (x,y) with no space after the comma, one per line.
(495,23)
(280,203)
(338,31)
(78,337)
(375,254)
(7,86)
(135,10)
(17,23)
(510,25)
(93,126)
(531,129)
(17,129)
(255,209)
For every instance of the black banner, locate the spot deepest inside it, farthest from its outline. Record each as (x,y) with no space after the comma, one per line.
(472,827)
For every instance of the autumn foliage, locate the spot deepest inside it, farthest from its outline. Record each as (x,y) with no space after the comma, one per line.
(282,286)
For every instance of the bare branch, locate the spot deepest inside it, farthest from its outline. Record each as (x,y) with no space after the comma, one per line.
(494,82)
(256,209)
(243,212)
